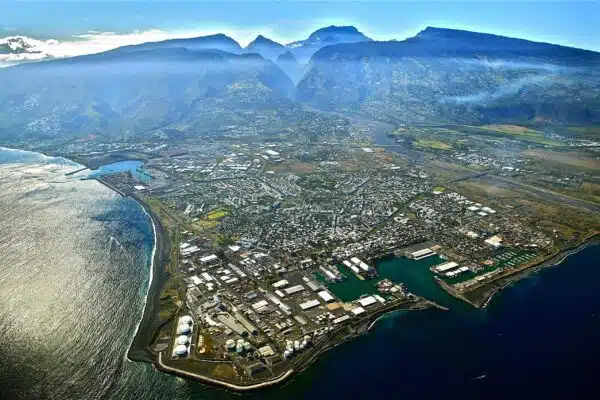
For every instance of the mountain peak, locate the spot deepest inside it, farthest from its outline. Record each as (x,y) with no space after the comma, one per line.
(336,31)
(263,41)
(449,33)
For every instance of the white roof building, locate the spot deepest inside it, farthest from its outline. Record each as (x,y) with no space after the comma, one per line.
(293,289)
(367,301)
(210,258)
(309,304)
(325,296)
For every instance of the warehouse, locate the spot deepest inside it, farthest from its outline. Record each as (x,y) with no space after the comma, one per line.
(358,311)
(260,305)
(341,319)
(232,324)
(456,272)
(309,304)
(367,301)
(280,284)
(445,267)
(420,254)
(293,289)
(325,296)
(209,259)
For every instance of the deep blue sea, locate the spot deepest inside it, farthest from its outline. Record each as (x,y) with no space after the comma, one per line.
(74,270)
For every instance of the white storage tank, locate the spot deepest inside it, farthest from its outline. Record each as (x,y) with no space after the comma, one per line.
(230,344)
(183,340)
(184,329)
(187,320)
(181,350)
(247,346)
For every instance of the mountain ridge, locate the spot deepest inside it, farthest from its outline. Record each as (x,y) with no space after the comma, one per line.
(192,86)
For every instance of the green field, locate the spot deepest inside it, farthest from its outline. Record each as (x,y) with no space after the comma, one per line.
(432,144)
(217,214)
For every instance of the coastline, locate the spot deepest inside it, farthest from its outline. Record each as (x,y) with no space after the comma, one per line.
(493,287)
(309,358)
(153,262)
(139,349)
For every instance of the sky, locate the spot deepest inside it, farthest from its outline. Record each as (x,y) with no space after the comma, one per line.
(70,27)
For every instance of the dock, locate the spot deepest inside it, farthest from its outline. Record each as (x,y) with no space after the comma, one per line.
(76,171)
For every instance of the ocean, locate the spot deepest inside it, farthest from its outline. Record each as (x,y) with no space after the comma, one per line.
(75,264)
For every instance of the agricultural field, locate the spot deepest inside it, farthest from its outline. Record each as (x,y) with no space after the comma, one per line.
(432,144)
(579,159)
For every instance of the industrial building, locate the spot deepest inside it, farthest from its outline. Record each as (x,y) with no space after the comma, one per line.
(309,304)
(326,296)
(232,324)
(445,267)
(293,289)
(420,254)
(367,301)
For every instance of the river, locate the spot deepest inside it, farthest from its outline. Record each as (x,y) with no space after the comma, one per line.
(75,267)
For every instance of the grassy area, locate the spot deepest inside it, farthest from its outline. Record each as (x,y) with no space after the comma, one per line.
(584,132)
(577,158)
(432,144)
(217,214)
(513,129)
(520,133)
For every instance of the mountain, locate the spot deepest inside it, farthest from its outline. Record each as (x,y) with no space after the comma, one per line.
(288,64)
(331,35)
(140,92)
(447,75)
(265,47)
(211,42)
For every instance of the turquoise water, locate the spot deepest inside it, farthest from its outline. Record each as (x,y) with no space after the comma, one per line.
(415,274)
(133,166)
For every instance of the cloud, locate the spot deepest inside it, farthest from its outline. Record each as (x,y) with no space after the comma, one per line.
(507,89)
(18,49)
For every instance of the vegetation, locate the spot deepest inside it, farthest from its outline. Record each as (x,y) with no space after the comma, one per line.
(433,144)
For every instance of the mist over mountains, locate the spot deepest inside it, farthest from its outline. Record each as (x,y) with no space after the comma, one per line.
(196,86)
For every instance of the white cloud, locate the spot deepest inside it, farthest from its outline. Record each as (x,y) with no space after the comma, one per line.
(18,49)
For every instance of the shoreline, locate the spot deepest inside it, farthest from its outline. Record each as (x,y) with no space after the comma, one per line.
(499,284)
(153,262)
(139,349)
(552,261)
(361,328)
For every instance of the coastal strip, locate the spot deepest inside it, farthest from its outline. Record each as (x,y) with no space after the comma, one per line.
(111,187)
(139,349)
(304,362)
(499,283)
(153,262)
(555,260)
(211,381)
